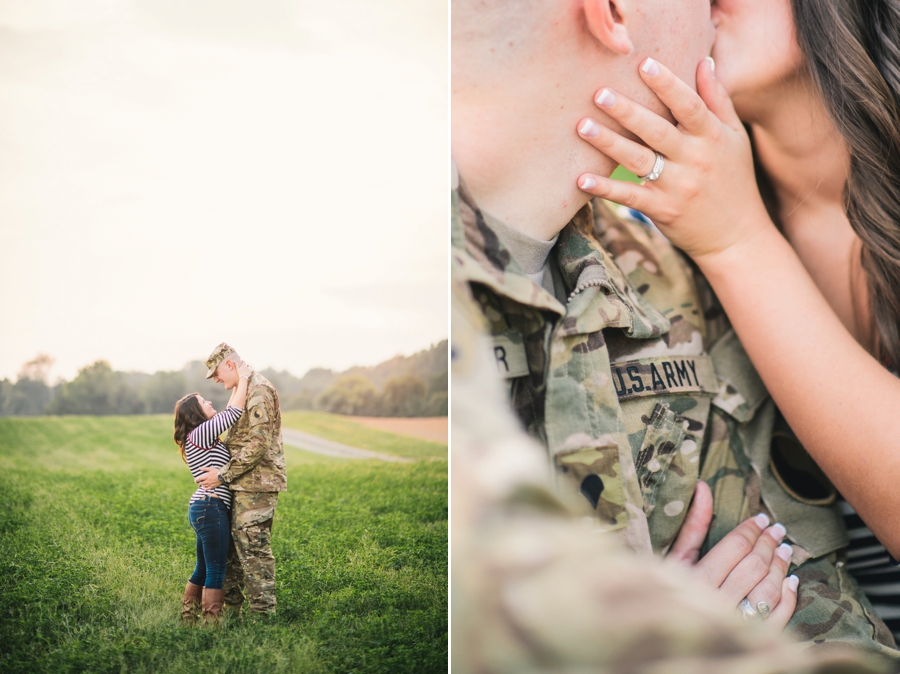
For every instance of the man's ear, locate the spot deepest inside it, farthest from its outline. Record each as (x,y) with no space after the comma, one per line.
(606,22)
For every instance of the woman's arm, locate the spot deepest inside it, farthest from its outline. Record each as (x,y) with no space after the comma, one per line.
(841,403)
(206,434)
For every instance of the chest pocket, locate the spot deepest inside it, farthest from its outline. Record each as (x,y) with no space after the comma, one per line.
(665,401)
(662,441)
(795,492)
(596,473)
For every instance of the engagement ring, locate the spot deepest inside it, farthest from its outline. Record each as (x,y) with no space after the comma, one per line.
(747,611)
(657,170)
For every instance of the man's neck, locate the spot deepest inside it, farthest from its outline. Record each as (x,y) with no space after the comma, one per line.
(525,180)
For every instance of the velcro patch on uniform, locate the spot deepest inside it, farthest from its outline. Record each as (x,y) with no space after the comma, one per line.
(509,352)
(258,414)
(664,375)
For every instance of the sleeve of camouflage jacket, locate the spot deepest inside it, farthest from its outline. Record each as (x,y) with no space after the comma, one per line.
(261,430)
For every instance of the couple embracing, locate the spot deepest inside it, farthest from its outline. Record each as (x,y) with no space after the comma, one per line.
(239,480)
(730,404)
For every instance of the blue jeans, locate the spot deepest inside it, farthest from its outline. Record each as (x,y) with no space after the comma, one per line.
(209,519)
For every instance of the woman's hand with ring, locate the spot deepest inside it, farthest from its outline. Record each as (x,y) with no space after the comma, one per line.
(747,563)
(775,596)
(706,198)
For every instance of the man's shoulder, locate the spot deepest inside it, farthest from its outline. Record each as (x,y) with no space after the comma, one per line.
(260,388)
(666,276)
(613,223)
(639,249)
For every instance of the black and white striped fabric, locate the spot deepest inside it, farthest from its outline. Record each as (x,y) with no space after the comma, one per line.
(203,448)
(871,566)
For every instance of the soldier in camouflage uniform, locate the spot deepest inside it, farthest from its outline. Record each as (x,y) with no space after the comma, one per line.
(255,474)
(533,591)
(637,394)
(628,374)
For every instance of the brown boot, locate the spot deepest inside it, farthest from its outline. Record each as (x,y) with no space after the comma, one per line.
(212,601)
(190,605)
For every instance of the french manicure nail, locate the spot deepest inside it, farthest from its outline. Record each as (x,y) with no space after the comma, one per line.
(650,67)
(778,531)
(785,551)
(606,98)
(712,65)
(589,129)
(588,184)
(762,520)
(793,581)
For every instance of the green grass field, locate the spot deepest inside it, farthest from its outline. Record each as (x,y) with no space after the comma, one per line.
(95,549)
(343,430)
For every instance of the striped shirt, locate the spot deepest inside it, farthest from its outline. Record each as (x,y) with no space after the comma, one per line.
(871,566)
(203,448)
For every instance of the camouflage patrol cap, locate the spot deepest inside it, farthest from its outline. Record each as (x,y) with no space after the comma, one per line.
(219,354)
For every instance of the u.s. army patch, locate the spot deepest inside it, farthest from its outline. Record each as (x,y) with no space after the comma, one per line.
(664,375)
(509,352)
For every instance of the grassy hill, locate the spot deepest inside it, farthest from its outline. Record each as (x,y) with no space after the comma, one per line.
(95,549)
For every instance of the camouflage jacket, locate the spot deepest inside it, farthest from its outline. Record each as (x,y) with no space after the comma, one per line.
(532,593)
(637,387)
(254,442)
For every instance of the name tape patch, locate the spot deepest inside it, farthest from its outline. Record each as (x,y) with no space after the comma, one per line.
(509,353)
(664,375)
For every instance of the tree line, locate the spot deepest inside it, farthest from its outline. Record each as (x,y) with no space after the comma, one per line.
(406,386)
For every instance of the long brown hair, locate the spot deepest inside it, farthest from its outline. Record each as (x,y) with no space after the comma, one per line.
(188,415)
(852,50)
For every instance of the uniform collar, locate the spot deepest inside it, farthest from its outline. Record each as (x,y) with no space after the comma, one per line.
(481,257)
(588,271)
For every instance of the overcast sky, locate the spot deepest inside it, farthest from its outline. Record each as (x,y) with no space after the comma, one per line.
(175,173)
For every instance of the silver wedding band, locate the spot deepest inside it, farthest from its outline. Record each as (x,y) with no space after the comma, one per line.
(763,609)
(657,169)
(747,611)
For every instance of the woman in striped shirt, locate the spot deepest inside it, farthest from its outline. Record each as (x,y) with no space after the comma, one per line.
(197,431)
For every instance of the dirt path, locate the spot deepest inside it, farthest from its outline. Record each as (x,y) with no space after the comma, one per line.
(313,443)
(424,428)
